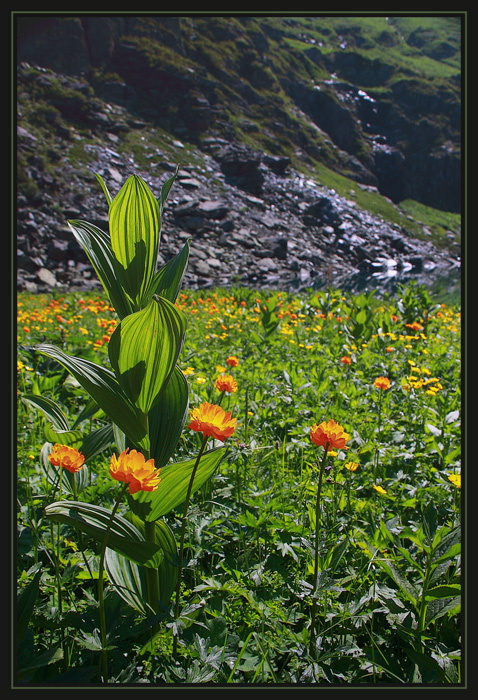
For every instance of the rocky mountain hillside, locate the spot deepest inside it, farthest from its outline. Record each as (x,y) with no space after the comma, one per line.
(311,150)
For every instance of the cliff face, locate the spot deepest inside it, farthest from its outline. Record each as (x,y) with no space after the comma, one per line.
(375,99)
(301,143)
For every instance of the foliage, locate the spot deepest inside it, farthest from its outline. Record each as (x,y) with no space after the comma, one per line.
(387,592)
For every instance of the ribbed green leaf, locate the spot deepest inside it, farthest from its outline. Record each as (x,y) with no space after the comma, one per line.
(144,349)
(172,488)
(97,441)
(167,418)
(50,409)
(71,438)
(102,385)
(93,520)
(169,278)
(134,219)
(97,246)
(129,580)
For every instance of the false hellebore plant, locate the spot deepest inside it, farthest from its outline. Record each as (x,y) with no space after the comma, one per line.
(146,397)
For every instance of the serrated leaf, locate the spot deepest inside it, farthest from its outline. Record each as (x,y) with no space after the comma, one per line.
(441,606)
(445,591)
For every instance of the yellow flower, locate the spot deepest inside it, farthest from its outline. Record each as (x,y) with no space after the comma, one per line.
(351,466)
(455,479)
(188,370)
(133,469)
(379,489)
(232,360)
(212,420)
(67,457)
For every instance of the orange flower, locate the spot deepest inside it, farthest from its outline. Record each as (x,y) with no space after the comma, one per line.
(210,419)
(232,360)
(133,469)
(329,434)
(382,383)
(346,360)
(226,383)
(66,457)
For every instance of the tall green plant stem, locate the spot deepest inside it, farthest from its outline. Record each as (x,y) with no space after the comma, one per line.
(379,428)
(316,550)
(181,541)
(101,602)
(152,577)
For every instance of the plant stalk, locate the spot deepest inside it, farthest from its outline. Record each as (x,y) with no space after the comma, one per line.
(316,550)
(181,541)
(104,655)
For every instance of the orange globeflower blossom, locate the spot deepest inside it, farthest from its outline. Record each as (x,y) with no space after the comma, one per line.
(232,360)
(329,434)
(66,457)
(346,360)
(382,383)
(133,469)
(212,420)
(226,383)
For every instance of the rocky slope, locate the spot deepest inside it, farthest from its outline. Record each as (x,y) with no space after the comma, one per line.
(294,153)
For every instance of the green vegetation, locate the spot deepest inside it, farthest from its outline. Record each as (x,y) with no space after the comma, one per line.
(388,593)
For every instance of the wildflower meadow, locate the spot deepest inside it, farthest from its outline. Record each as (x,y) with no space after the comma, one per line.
(230,486)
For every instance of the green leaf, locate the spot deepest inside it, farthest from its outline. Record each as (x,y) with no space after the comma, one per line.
(167,418)
(129,580)
(97,246)
(144,349)
(134,219)
(441,606)
(109,198)
(102,385)
(25,603)
(97,442)
(447,544)
(172,488)
(169,278)
(93,520)
(71,438)
(50,409)
(165,189)
(445,591)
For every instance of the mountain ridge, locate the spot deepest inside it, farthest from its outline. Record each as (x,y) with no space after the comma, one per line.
(252,93)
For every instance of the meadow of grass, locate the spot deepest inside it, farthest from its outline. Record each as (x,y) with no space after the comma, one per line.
(387,596)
